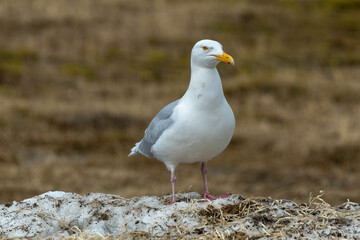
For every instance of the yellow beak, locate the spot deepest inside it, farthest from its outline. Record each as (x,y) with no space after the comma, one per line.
(225,58)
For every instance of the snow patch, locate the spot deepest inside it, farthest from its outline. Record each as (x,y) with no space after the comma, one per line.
(60,214)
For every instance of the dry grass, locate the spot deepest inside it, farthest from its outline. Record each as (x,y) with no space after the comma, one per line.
(79,81)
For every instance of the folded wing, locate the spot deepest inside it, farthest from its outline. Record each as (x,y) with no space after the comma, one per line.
(157,126)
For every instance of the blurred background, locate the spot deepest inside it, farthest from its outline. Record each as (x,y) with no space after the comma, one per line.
(81,80)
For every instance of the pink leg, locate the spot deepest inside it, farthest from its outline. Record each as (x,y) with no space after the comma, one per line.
(206,194)
(173,180)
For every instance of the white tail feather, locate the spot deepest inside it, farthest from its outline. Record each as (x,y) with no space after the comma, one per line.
(134,150)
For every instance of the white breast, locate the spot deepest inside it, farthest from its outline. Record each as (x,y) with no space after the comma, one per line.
(196,136)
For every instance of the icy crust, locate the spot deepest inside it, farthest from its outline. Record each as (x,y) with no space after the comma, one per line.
(63,215)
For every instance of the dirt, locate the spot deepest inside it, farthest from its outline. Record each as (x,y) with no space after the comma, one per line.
(79,82)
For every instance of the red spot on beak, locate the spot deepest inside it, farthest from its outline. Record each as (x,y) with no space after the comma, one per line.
(228,62)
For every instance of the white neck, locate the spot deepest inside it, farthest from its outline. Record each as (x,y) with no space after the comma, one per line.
(205,89)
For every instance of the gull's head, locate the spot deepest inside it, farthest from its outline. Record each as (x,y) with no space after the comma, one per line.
(208,53)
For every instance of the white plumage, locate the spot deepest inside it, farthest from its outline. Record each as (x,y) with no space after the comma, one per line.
(197,127)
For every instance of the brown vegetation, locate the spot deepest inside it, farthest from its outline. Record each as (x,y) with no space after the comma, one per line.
(80,81)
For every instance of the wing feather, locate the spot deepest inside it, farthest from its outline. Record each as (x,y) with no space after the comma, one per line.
(157,126)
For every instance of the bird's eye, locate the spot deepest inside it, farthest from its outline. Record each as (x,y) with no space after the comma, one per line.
(204,48)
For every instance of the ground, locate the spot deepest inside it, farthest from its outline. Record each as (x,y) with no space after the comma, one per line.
(60,215)
(80,81)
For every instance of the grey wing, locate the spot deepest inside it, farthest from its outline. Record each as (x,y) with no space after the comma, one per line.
(157,126)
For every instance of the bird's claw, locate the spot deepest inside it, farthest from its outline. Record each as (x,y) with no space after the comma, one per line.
(169,203)
(210,197)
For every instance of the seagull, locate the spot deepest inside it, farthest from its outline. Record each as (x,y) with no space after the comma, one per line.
(196,127)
